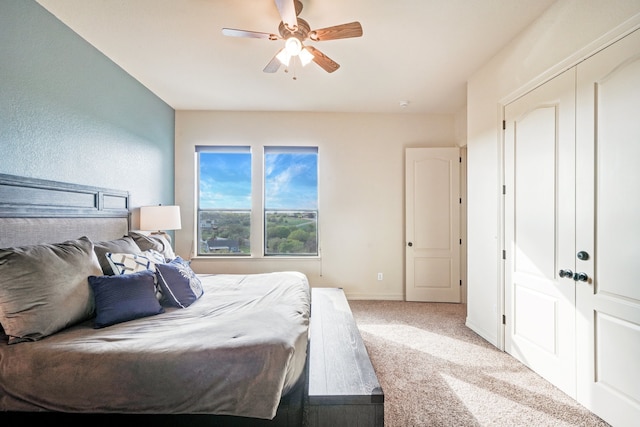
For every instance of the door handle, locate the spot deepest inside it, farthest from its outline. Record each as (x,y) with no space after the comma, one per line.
(581,277)
(578,277)
(566,274)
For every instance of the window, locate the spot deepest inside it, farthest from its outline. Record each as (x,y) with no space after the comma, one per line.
(226,201)
(291,200)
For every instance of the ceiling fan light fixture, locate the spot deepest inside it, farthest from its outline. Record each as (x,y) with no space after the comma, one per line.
(305,56)
(284,57)
(293,46)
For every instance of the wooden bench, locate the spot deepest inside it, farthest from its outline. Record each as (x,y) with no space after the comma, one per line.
(343,388)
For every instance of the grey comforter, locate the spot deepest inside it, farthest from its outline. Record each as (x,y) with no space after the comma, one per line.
(235,351)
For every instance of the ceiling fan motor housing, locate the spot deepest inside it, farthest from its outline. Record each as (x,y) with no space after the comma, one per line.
(301,33)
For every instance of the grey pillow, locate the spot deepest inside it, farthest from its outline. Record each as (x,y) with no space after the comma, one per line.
(45,288)
(125,245)
(157,242)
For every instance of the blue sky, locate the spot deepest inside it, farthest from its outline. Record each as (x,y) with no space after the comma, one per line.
(291,181)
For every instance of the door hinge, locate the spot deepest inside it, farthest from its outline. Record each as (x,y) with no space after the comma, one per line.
(460,159)
(460,200)
(504,254)
(460,241)
(504,124)
(504,189)
(504,319)
(460,282)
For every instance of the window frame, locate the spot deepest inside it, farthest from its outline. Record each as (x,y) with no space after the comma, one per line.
(297,149)
(231,149)
(258,210)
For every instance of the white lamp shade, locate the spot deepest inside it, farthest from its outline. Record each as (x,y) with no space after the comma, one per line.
(305,56)
(158,218)
(284,57)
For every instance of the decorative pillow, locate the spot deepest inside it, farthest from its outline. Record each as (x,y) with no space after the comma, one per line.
(44,288)
(125,263)
(125,244)
(156,242)
(124,297)
(179,284)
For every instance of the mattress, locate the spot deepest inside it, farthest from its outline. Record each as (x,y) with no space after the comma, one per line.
(235,351)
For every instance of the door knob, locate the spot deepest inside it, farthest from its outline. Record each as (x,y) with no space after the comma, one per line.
(566,273)
(581,277)
(582,255)
(410,244)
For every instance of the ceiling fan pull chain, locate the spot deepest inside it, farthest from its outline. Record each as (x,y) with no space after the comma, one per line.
(294,64)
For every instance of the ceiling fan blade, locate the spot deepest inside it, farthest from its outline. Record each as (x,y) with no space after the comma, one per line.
(344,31)
(251,34)
(287,10)
(274,64)
(328,64)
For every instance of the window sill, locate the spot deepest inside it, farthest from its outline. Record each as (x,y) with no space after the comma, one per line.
(245,258)
(247,265)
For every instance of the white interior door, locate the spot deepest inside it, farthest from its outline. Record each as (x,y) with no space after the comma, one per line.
(540,230)
(432,224)
(608,230)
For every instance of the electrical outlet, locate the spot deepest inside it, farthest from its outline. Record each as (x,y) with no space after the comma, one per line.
(379,276)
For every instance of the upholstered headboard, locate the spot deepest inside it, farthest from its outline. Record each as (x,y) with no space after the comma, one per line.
(34,211)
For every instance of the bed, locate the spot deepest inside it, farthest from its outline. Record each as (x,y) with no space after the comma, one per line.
(82,335)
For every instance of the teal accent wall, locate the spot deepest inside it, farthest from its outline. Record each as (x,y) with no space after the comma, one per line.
(68,113)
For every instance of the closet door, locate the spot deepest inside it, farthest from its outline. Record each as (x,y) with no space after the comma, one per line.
(540,231)
(608,232)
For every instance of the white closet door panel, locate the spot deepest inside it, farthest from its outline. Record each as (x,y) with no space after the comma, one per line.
(608,229)
(540,230)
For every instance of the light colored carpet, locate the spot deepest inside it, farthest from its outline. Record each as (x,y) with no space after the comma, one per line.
(435,371)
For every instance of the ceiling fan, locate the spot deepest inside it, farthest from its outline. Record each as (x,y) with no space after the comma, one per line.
(295,31)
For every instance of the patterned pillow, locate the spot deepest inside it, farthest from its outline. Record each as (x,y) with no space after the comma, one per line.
(179,284)
(124,263)
(125,244)
(124,297)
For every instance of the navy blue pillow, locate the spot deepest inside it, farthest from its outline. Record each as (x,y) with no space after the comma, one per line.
(179,284)
(124,297)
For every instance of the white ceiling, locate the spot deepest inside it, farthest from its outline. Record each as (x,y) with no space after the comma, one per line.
(421,51)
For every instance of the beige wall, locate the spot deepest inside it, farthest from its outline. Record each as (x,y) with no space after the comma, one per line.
(361,189)
(567,33)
